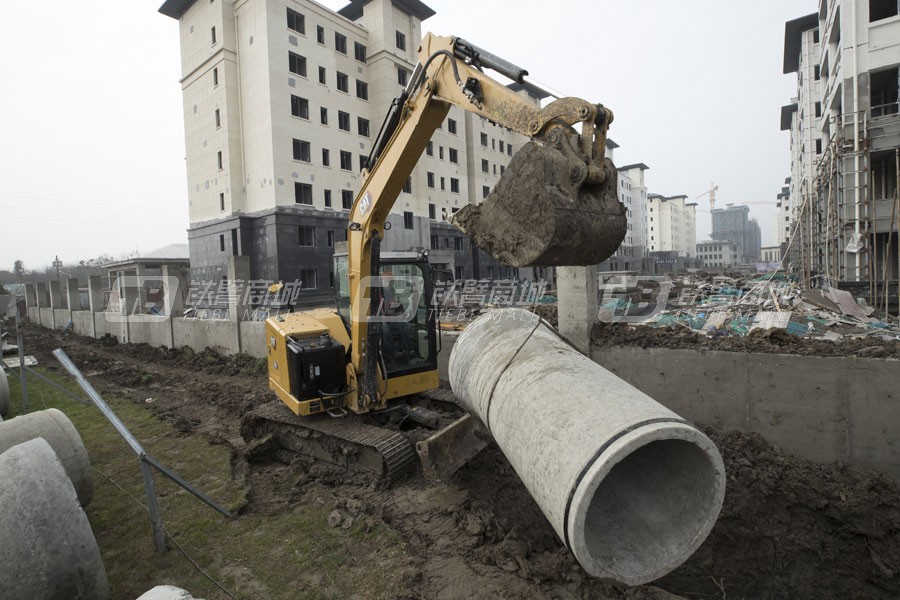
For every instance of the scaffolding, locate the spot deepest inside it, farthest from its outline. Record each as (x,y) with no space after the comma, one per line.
(838,234)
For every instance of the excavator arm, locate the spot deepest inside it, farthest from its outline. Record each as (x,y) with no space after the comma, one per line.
(556,204)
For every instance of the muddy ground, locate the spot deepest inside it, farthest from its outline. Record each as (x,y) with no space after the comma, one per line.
(789,528)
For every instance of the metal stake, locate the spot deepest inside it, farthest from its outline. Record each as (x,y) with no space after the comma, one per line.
(159,534)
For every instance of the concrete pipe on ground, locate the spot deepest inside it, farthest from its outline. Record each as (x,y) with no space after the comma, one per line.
(166,592)
(57,429)
(630,487)
(47,548)
(4,394)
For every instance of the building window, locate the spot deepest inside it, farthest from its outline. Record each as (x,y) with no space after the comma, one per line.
(484,140)
(509,149)
(441,152)
(429,149)
(346,199)
(221,200)
(881,9)
(222,243)
(323,115)
(327,198)
(322,76)
(451,125)
(454,185)
(212,35)
(501,146)
(320,34)
(485,190)
(343,83)
(329,239)
(432,212)
(362,90)
(407,187)
(402,76)
(429,179)
(301,151)
(359,52)
(458,244)
(302,193)
(326,157)
(340,42)
(442,184)
(502,169)
(297,64)
(818,72)
(818,146)
(435,242)
(215,76)
(883,92)
(295,21)
(400,41)
(493,144)
(299,107)
(219,159)
(485,166)
(346,161)
(307,236)
(218,119)
(454,158)
(343,121)
(818,109)
(408,221)
(308,279)
(363,159)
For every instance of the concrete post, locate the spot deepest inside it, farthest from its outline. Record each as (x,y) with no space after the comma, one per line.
(130,304)
(30,299)
(73,300)
(173,299)
(55,302)
(578,311)
(238,276)
(41,301)
(95,298)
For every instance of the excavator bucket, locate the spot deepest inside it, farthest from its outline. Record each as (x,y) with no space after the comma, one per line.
(545,211)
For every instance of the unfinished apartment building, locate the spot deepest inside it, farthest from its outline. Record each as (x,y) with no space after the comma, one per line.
(845,141)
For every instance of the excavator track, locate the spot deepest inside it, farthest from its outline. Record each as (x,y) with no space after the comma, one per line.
(346,442)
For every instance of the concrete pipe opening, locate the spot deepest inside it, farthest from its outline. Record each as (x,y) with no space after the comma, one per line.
(645,507)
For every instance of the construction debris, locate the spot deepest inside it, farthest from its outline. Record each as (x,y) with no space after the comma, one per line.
(732,307)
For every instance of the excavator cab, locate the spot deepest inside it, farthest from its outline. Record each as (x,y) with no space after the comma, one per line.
(408,342)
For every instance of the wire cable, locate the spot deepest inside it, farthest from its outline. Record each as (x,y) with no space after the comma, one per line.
(169,535)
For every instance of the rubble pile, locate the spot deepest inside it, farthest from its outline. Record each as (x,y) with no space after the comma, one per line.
(731,307)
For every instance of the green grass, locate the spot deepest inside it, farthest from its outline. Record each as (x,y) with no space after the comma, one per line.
(292,555)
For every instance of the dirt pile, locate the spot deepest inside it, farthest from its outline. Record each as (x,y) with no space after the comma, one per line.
(773,341)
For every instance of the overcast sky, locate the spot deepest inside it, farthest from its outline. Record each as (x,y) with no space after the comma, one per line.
(92,139)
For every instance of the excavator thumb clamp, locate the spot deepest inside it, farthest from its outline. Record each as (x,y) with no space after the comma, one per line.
(551,207)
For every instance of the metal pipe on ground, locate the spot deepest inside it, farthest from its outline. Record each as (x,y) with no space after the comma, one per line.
(630,487)
(56,428)
(48,549)
(166,592)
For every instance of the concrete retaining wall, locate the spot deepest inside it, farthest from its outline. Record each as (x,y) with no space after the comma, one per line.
(62,317)
(253,338)
(826,409)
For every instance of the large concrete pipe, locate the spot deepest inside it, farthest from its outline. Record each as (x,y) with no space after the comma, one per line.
(47,548)
(4,394)
(57,429)
(630,487)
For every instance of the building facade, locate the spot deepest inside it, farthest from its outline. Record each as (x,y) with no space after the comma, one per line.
(283,100)
(672,225)
(845,135)
(718,253)
(733,223)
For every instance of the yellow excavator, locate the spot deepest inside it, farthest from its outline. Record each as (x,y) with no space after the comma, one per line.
(350,377)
